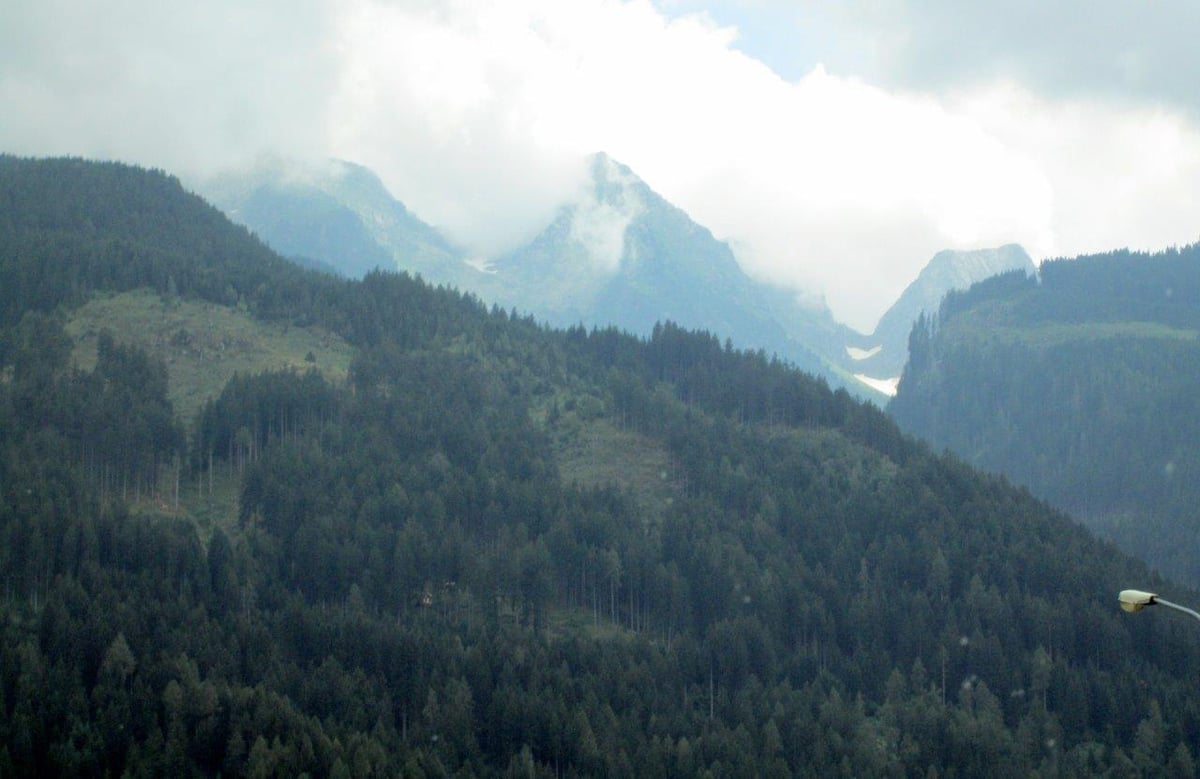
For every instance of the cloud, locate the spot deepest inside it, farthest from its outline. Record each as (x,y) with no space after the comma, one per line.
(1134,51)
(1120,176)
(848,190)
(471,111)
(1138,51)
(447,101)
(480,114)
(185,86)
(602,213)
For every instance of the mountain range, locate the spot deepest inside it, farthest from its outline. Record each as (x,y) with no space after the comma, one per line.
(615,253)
(336,213)
(982,386)
(260,520)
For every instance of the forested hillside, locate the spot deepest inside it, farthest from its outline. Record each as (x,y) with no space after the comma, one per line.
(1082,387)
(410,583)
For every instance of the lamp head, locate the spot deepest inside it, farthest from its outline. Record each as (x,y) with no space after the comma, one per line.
(1136,600)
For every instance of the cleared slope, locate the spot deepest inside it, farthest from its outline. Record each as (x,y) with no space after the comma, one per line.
(203,344)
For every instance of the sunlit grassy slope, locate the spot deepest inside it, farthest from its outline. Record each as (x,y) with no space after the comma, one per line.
(202,344)
(996,322)
(597,453)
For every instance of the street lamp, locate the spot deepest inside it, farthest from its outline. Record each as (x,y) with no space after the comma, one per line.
(1136,600)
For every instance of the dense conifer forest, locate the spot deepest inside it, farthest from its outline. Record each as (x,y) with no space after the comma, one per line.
(421,578)
(1081,386)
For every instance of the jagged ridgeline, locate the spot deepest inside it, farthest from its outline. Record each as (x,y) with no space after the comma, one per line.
(1081,386)
(483,547)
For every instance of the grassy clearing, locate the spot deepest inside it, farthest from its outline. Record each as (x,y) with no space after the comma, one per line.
(596,453)
(203,344)
(562,623)
(1056,334)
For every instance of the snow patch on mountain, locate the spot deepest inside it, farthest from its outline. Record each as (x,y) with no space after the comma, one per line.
(886,386)
(481,264)
(859,355)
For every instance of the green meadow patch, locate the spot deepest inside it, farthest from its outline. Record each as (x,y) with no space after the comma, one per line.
(203,344)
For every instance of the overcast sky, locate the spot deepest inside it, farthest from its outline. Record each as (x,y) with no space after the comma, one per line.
(836,146)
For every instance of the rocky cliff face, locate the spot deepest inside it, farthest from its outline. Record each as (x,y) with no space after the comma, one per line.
(886,351)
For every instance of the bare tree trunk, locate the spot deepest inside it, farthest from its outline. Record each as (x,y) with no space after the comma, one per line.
(632,613)
(711,690)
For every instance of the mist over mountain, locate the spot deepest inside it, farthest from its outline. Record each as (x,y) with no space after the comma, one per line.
(621,254)
(336,212)
(616,253)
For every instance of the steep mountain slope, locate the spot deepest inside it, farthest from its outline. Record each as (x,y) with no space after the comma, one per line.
(620,254)
(811,322)
(884,353)
(1081,387)
(413,586)
(335,212)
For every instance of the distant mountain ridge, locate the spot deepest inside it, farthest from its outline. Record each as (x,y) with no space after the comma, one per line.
(886,350)
(1080,385)
(621,254)
(335,212)
(616,252)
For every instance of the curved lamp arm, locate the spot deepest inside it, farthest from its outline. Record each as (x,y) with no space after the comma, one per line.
(1136,600)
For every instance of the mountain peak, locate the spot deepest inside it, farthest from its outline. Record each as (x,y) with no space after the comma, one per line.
(958,269)
(600,163)
(609,178)
(599,218)
(333,210)
(950,269)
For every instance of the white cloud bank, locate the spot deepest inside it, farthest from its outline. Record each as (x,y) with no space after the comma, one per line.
(478,116)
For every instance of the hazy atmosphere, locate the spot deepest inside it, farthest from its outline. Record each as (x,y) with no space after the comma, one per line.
(835,148)
(572,388)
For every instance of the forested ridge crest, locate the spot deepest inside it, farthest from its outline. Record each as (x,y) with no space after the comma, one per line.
(1080,385)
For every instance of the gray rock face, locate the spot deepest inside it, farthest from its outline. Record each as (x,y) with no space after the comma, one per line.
(948,270)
